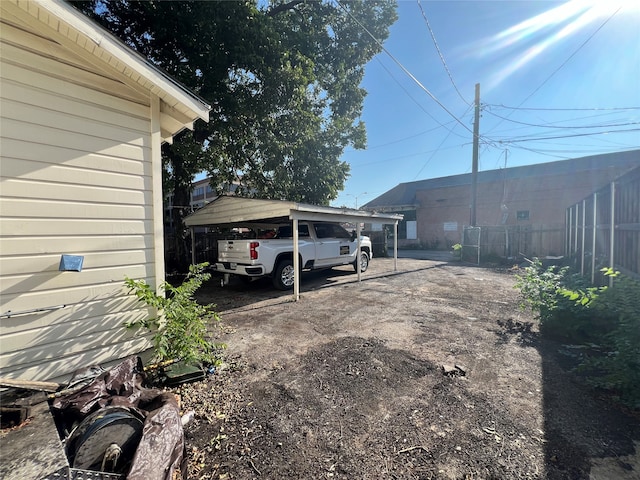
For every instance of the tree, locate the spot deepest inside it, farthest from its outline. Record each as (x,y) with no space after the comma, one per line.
(283,78)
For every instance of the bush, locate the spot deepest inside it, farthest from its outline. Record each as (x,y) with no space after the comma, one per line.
(180,329)
(618,310)
(560,316)
(571,310)
(539,289)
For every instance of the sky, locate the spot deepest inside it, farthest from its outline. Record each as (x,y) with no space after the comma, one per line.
(557,80)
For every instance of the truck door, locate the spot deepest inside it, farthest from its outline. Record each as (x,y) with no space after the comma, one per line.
(332,244)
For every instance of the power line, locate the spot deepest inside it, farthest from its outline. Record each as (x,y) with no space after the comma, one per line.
(571,127)
(535,139)
(437,149)
(573,151)
(400,140)
(603,143)
(403,68)
(594,109)
(407,156)
(551,124)
(415,101)
(541,152)
(444,63)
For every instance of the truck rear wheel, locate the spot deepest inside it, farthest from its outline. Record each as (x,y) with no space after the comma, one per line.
(364,262)
(284,275)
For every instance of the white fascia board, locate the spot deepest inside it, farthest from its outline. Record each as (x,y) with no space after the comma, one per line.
(170,91)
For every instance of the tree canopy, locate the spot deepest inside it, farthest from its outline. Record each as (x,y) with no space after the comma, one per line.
(283,78)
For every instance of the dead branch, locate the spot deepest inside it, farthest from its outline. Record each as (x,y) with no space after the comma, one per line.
(284,7)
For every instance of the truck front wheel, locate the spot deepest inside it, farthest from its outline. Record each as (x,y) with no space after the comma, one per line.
(284,275)
(364,262)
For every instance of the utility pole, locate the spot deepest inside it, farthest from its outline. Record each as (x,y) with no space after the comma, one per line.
(474,163)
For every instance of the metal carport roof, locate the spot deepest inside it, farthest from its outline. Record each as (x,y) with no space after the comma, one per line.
(231,210)
(238,211)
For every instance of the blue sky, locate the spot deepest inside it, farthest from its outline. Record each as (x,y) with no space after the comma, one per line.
(564,73)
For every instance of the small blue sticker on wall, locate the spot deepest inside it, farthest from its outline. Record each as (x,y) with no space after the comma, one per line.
(71,263)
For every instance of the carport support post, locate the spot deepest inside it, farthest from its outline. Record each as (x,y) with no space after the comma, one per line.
(296,261)
(358,266)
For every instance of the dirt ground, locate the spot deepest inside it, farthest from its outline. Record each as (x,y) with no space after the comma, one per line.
(348,383)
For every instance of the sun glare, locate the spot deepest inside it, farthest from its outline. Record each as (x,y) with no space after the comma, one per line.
(538,34)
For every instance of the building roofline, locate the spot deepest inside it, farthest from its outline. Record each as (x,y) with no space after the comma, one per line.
(88,35)
(404,193)
(535,169)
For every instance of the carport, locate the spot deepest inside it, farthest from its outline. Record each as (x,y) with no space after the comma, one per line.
(231,211)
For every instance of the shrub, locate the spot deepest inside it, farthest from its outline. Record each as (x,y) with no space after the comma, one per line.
(539,288)
(457,251)
(618,310)
(180,329)
(572,310)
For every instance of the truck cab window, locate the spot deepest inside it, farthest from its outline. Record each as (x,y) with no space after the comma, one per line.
(285,231)
(321,231)
(303,230)
(330,230)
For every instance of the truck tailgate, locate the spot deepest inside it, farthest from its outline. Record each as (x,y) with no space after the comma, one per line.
(234,251)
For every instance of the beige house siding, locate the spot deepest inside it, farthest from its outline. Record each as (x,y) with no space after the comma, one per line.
(80,174)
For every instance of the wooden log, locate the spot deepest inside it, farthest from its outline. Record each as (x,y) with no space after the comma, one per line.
(29,384)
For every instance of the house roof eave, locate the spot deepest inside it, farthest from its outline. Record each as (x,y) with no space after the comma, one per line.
(111,51)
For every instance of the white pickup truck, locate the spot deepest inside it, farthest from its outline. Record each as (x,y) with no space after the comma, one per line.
(320,244)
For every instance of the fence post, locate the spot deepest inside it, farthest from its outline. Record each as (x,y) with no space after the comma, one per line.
(595,232)
(566,232)
(570,228)
(575,240)
(613,229)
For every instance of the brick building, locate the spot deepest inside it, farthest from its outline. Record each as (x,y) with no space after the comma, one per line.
(531,198)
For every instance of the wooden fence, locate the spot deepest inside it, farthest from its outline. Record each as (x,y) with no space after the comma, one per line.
(603,230)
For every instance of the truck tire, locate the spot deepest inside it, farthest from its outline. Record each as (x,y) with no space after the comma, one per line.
(284,275)
(364,262)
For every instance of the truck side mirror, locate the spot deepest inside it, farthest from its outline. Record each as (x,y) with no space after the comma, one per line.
(353,235)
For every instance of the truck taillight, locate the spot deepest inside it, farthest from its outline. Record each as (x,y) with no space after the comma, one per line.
(252,250)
